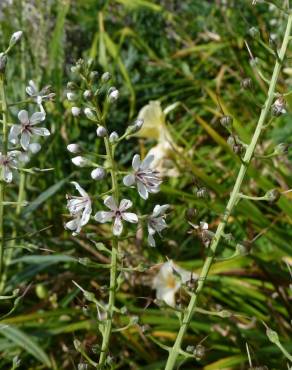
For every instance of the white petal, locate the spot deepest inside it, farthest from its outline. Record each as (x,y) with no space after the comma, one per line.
(41,131)
(146,162)
(79,188)
(24,140)
(37,117)
(159,210)
(7,174)
(136,162)
(29,90)
(71,225)
(86,214)
(110,203)
(13,134)
(142,190)
(23,116)
(168,296)
(204,225)
(129,180)
(130,217)
(118,226)
(103,216)
(151,241)
(33,86)
(125,204)
(34,148)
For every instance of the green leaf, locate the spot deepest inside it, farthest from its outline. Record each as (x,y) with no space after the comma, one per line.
(22,340)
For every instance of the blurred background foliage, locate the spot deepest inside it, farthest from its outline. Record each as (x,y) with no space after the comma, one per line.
(192,54)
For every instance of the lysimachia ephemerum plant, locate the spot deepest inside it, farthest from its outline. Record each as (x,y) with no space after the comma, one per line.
(92,97)
(273,107)
(20,136)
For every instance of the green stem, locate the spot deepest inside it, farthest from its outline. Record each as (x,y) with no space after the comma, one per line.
(114,262)
(2,183)
(175,350)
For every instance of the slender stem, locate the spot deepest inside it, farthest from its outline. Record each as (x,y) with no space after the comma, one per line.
(114,262)
(175,350)
(2,183)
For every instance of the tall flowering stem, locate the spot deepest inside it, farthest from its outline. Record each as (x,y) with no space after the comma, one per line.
(4,152)
(234,197)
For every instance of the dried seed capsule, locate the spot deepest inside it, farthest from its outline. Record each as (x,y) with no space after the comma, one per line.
(199,351)
(226,121)
(246,83)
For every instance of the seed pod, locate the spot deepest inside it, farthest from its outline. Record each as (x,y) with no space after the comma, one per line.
(273,195)
(199,352)
(246,83)
(226,121)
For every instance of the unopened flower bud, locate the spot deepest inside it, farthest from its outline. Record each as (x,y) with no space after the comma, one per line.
(246,83)
(75,111)
(101,131)
(93,75)
(114,137)
(3,62)
(273,195)
(87,94)
(254,32)
(226,121)
(79,161)
(73,148)
(98,174)
(113,96)
(136,126)
(272,335)
(71,96)
(106,76)
(15,37)
(89,114)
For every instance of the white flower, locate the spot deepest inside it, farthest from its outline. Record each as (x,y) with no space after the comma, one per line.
(146,178)
(117,213)
(27,128)
(39,96)
(75,111)
(169,280)
(80,161)
(79,208)
(156,222)
(71,96)
(7,163)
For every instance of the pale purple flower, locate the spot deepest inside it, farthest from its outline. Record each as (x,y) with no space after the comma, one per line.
(79,208)
(8,163)
(118,213)
(27,128)
(156,222)
(146,178)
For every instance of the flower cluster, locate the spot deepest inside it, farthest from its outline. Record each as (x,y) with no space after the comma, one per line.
(91,96)
(23,133)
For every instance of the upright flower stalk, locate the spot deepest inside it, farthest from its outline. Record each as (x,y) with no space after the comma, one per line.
(187,315)
(93,98)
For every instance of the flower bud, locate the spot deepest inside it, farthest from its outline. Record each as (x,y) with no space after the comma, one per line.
(226,121)
(98,173)
(242,249)
(73,148)
(254,32)
(15,38)
(114,137)
(93,75)
(71,96)
(101,131)
(87,94)
(273,195)
(75,111)
(71,85)
(80,161)
(3,62)
(106,76)
(246,83)
(89,114)
(113,96)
